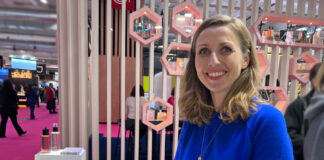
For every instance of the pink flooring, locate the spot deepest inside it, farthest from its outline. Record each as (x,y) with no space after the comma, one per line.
(14,147)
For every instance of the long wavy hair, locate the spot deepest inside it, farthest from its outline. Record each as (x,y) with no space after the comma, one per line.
(195,101)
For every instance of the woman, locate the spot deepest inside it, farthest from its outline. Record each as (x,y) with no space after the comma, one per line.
(224,119)
(31,100)
(131,111)
(314,142)
(9,108)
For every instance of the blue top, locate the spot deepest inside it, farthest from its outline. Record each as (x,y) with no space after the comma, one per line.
(263,136)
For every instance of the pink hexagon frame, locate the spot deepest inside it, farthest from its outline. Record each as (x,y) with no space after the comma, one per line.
(145,11)
(294,69)
(174,46)
(283,99)
(285,19)
(263,62)
(164,123)
(195,12)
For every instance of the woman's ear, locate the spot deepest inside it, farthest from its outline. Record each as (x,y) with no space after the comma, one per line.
(246,60)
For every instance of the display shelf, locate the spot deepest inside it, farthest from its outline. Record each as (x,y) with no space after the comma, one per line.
(300,66)
(145,26)
(157,114)
(175,58)
(276,96)
(271,17)
(186,18)
(263,62)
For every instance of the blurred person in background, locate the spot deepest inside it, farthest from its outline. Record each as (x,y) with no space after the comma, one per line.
(314,114)
(9,108)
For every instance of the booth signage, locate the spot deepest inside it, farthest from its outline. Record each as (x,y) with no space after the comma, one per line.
(23,74)
(118,4)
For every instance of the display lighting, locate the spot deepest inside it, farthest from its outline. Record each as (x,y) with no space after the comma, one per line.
(24,74)
(23,57)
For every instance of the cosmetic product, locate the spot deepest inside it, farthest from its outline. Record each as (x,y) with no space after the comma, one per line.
(135,25)
(45,146)
(55,138)
(159,116)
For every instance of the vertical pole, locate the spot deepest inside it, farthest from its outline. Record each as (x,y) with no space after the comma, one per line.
(108,54)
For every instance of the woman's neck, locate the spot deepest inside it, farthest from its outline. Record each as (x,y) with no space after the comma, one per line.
(218,99)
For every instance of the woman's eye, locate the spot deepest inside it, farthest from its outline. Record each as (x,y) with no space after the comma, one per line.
(226,50)
(203,51)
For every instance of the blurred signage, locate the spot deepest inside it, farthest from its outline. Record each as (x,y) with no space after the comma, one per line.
(21,74)
(118,4)
(41,69)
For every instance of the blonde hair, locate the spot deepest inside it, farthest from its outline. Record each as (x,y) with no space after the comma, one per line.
(319,79)
(195,101)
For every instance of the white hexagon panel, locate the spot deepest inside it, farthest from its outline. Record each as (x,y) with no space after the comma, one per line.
(157,114)
(175,58)
(186,18)
(145,26)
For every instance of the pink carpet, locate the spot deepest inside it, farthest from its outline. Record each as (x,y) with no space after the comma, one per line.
(25,147)
(14,147)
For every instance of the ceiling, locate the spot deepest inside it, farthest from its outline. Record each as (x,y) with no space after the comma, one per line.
(28,27)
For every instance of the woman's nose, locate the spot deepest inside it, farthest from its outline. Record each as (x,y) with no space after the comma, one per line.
(213,59)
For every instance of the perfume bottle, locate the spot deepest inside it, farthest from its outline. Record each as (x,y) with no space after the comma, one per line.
(135,25)
(55,138)
(45,146)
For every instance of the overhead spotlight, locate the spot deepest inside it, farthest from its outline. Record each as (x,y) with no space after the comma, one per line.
(44,1)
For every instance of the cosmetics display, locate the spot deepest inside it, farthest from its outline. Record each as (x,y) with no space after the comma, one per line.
(186,18)
(275,96)
(175,58)
(55,138)
(288,30)
(46,141)
(157,114)
(300,66)
(145,26)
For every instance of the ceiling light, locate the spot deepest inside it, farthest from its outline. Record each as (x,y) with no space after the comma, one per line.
(44,1)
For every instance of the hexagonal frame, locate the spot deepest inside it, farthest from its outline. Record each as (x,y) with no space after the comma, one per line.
(145,11)
(310,62)
(164,61)
(163,124)
(263,62)
(283,99)
(285,19)
(191,8)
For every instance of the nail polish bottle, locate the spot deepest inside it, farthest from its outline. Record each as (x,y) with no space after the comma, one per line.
(45,146)
(55,138)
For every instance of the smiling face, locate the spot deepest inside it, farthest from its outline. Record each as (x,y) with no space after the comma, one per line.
(219,59)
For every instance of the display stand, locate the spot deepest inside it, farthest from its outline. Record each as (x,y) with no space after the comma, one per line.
(145,26)
(270,17)
(157,114)
(175,58)
(186,18)
(300,66)
(275,96)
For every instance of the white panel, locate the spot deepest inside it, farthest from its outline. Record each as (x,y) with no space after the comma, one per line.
(219,7)
(290,7)
(243,11)
(63,66)
(73,70)
(122,79)
(274,66)
(95,79)
(284,68)
(278,6)
(231,5)
(321,10)
(206,9)
(83,73)
(319,54)
(108,54)
(294,83)
(311,8)
(267,6)
(301,8)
